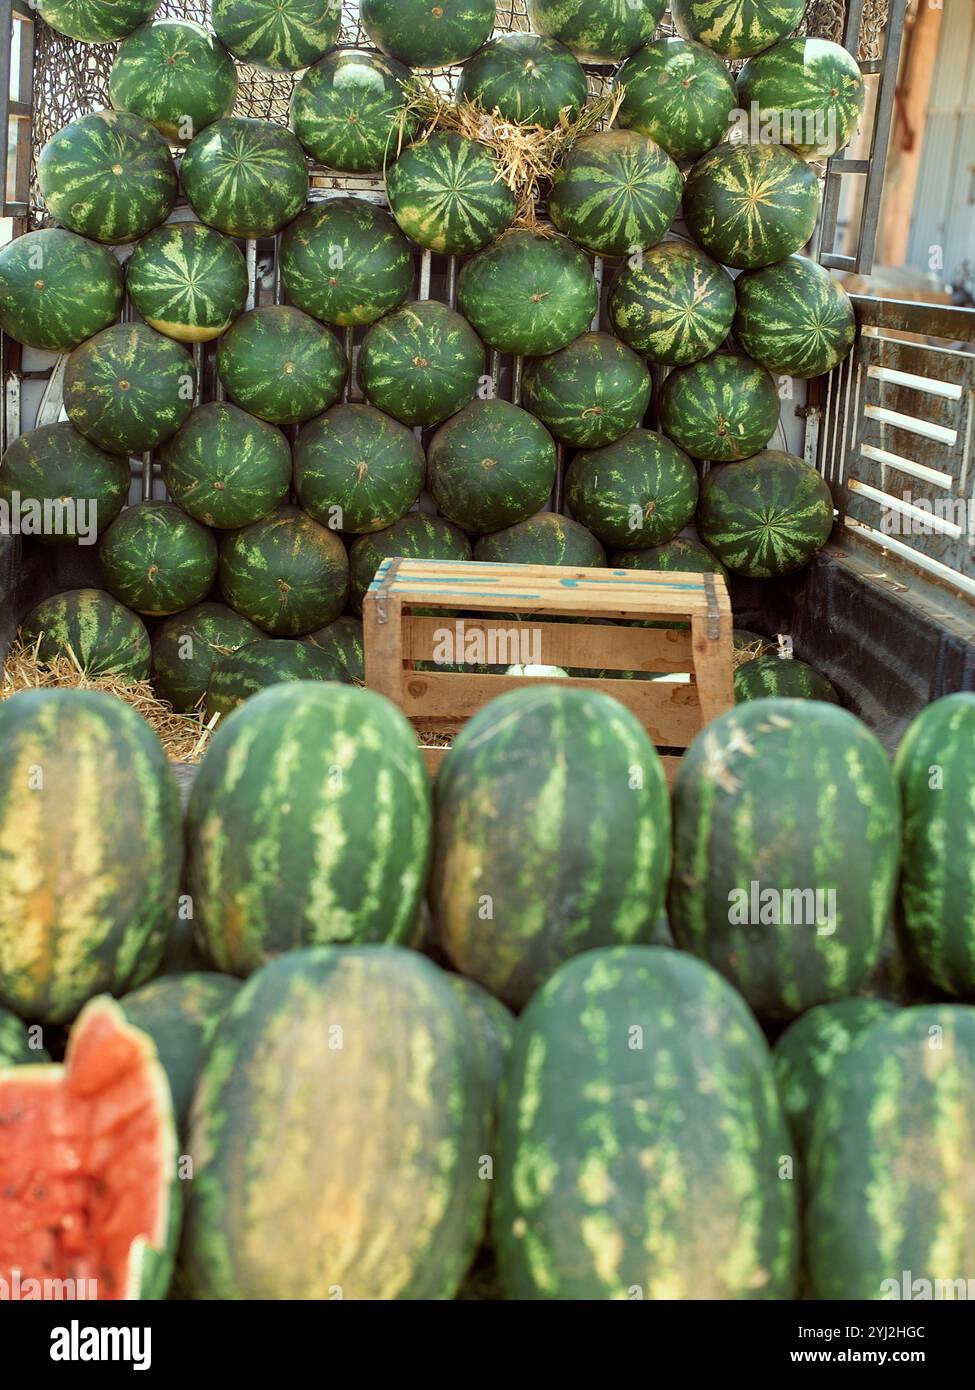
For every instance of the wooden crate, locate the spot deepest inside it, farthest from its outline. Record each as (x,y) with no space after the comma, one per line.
(479,601)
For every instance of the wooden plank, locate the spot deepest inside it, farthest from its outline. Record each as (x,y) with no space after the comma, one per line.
(712,665)
(382,642)
(587,645)
(544,599)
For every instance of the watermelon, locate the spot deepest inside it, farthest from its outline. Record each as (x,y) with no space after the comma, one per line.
(96,21)
(342,641)
(809,94)
(346,262)
(128,388)
(89,1195)
(187,281)
(680,554)
(721,408)
(491,465)
(639,492)
(514,895)
(447,194)
(640,1139)
(590,393)
(750,205)
(767,516)
(81,488)
(775,675)
(616,193)
(156,559)
(415,536)
(545,539)
(597,31)
(736,28)
(786,842)
(108,176)
(935,769)
(524,79)
(185,647)
(226,468)
(672,304)
(349,110)
(246,177)
(421,363)
(17,1040)
(889,1209)
(357,469)
(282,365)
(180,1013)
(257,665)
(397,1215)
(747,646)
(794,317)
(678,93)
(87,797)
(422,35)
(285,573)
(492,1025)
(528,294)
(56,289)
(88,625)
(176,75)
(337,853)
(278,35)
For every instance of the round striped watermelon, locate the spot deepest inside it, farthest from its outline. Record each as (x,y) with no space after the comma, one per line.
(421,363)
(638,492)
(809,94)
(750,205)
(281,364)
(786,842)
(617,193)
(187,281)
(545,539)
(338,854)
(524,79)
(736,28)
(774,675)
(349,108)
(156,559)
(17,1041)
(679,93)
(447,194)
(672,304)
(597,31)
(108,176)
(285,573)
(356,469)
(81,487)
(87,797)
(342,641)
(640,1140)
(346,262)
(424,35)
(528,294)
(254,666)
(185,647)
(279,35)
(415,536)
(96,21)
(246,177)
(766,516)
(722,408)
(92,628)
(794,317)
(175,74)
(226,468)
(56,289)
(490,465)
(678,554)
(128,388)
(590,393)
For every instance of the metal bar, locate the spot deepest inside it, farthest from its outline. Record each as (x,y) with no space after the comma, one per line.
(851,29)
(827,219)
(452,281)
(911,316)
(834,262)
(873,192)
(6,49)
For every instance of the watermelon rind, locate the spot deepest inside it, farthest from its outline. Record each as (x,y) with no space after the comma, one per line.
(286,573)
(597,31)
(186,645)
(187,281)
(524,79)
(268,661)
(794,317)
(175,74)
(92,628)
(722,408)
(342,640)
(545,539)
(416,536)
(57,289)
(349,108)
(421,363)
(680,554)
(490,465)
(447,194)
(750,205)
(280,364)
(672,304)
(766,516)
(766,676)
(679,93)
(96,21)
(637,492)
(82,488)
(156,559)
(424,36)
(589,393)
(244,176)
(16,1045)
(616,193)
(277,36)
(809,93)
(226,468)
(356,469)
(736,28)
(128,388)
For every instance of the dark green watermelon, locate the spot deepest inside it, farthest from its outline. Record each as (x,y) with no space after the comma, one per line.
(809,94)
(491,465)
(356,469)
(92,628)
(672,304)
(736,28)
(281,364)
(185,647)
(679,93)
(747,645)
(722,408)
(56,289)
(78,488)
(421,363)
(96,21)
(256,665)
(638,492)
(285,573)
(226,468)
(277,35)
(175,74)
(346,262)
(524,79)
(17,1041)
(128,388)
(750,205)
(590,393)
(415,536)
(187,281)
(597,31)
(349,108)
(342,641)
(617,193)
(794,317)
(246,177)
(545,539)
(424,35)
(766,516)
(784,676)
(156,559)
(447,194)
(678,554)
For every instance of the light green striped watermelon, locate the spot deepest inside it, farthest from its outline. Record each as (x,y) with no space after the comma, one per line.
(786,848)
(617,193)
(92,628)
(17,1041)
(424,35)
(226,468)
(784,676)
(640,1140)
(679,93)
(175,74)
(750,205)
(185,647)
(415,536)
(794,317)
(349,108)
(597,31)
(421,363)
(285,573)
(447,194)
(128,388)
(244,176)
(590,393)
(640,491)
(96,21)
(342,641)
(56,289)
(156,559)
(337,853)
(346,262)
(356,469)
(524,79)
(81,487)
(279,35)
(722,408)
(766,516)
(809,92)
(545,539)
(256,665)
(736,28)
(281,364)
(491,465)
(187,281)
(672,304)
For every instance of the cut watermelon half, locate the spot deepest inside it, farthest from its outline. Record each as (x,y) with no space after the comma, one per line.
(88,1167)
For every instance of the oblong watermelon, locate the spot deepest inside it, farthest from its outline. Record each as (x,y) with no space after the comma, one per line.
(638,492)
(773,675)
(56,289)
(356,469)
(256,665)
(101,634)
(545,539)
(597,31)
(672,304)
(722,408)
(525,79)
(421,363)
(342,641)
(157,559)
(226,468)
(82,488)
(244,176)
(491,465)
(128,388)
(794,317)
(278,35)
(415,536)
(187,281)
(750,205)
(285,573)
(766,516)
(809,93)
(185,647)
(736,28)
(175,74)
(424,35)
(349,108)
(590,393)
(679,93)
(96,21)
(447,194)
(616,193)
(281,364)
